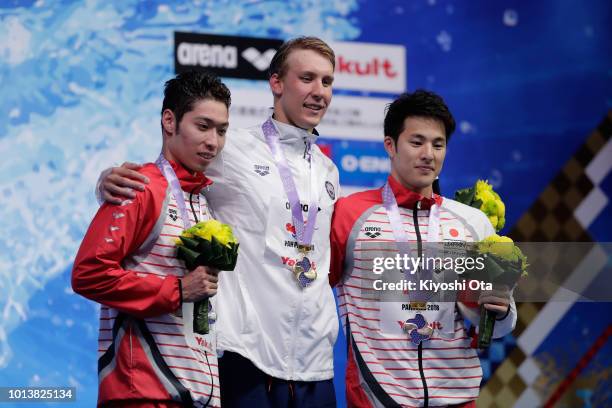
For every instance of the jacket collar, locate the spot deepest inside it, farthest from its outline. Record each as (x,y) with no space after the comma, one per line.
(289,133)
(190,182)
(294,140)
(407,198)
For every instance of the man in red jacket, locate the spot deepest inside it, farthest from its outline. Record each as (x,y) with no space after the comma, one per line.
(149,355)
(276,325)
(408,350)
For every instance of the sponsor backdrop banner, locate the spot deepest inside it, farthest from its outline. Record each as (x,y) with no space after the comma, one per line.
(359,66)
(225,55)
(82,89)
(370,67)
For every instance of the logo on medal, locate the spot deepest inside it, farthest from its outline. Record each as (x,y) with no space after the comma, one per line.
(330,190)
(261,170)
(304,272)
(172,214)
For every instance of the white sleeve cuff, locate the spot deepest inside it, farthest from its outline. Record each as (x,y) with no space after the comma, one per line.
(507,324)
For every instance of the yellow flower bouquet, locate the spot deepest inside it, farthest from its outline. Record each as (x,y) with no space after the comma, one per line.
(208,243)
(504,262)
(482,196)
(504,249)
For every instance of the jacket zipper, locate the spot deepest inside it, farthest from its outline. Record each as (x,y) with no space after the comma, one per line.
(296,325)
(305,148)
(415,219)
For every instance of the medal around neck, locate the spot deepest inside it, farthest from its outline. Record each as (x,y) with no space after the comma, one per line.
(208,243)
(304,270)
(417,328)
(403,242)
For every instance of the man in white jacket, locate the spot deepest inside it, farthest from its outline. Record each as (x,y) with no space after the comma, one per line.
(277,320)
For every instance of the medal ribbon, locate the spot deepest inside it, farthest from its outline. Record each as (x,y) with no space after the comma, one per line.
(175,187)
(177,192)
(401,237)
(303,232)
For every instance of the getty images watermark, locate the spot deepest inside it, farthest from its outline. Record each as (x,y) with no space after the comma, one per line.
(426,265)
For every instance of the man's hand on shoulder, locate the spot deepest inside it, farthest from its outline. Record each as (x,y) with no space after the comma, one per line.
(120,182)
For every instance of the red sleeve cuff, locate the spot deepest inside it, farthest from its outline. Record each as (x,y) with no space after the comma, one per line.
(172,291)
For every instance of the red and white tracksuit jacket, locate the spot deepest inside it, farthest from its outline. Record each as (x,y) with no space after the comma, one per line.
(147,349)
(384,368)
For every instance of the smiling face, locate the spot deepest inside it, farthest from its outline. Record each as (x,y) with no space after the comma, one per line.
(418,155)
(303,93)
(199,137)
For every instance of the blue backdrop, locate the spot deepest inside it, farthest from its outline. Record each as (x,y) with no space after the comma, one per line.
(81,89)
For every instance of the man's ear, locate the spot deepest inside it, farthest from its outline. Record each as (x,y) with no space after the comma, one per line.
(276,85)
(390,146)
(168,121)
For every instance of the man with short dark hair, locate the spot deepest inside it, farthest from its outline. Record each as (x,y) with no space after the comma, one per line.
(277,321)
(149,355)
(416,353)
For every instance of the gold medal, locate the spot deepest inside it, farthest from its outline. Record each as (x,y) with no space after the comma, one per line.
(304,271)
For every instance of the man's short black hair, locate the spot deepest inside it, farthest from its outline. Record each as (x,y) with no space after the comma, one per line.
(184,90)
(420,103)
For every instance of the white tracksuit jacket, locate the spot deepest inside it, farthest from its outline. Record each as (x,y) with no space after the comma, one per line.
(263,314)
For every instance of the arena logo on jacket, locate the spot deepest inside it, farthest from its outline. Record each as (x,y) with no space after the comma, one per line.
(261,169)
(373,232)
